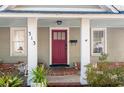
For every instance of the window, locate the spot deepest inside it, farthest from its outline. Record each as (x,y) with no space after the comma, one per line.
(55,35)
(98,39)
(63,35)
(59,36)
(18,41)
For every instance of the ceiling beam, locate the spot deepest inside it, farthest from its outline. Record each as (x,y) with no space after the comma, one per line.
(4,7)
(102,7)
(109,8)
(112,8)
(11,7)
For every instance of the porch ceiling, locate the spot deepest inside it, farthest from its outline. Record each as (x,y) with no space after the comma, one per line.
(107,23)
(65,22)
(13,22)
(22,22)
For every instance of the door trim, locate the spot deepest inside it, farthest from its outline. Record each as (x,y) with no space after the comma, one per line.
(50,42)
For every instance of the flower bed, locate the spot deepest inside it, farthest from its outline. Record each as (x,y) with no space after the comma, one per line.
(105,74)
(7,67)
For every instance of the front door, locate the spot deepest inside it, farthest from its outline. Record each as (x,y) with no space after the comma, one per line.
(59,47)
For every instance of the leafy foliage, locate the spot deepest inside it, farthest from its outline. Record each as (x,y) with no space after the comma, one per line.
(104,75)
(10,81)
(39,75)
(103,57)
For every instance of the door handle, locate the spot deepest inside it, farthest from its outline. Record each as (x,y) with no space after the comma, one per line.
(65,46)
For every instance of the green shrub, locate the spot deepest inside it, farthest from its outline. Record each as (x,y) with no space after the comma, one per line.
(10,81)
(39,75)
(103,75)
(103,57)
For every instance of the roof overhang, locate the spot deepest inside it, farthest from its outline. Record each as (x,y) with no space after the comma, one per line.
(64,11)
(79,9)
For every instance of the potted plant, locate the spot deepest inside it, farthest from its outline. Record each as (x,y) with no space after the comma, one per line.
(10,81)
(39,77)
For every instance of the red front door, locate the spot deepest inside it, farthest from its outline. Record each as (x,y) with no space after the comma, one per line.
(59,47)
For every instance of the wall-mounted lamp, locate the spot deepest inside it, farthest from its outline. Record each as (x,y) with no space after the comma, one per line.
(58,22)
(73,42)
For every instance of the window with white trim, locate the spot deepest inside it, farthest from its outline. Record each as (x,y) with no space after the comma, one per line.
(99,41)
(18,41)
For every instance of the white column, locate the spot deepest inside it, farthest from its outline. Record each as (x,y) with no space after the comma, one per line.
(32,46)
(85,48)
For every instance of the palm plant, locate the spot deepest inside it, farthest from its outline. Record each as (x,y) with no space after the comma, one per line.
(10,81)
(39,76)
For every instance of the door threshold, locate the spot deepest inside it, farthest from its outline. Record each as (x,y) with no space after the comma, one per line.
(59,65)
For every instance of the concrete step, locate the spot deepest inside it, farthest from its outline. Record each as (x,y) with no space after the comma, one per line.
(73,84)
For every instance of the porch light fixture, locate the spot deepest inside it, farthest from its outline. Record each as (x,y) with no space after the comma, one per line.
(59,22)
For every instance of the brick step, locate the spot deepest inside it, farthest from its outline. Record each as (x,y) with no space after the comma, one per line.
(62,71)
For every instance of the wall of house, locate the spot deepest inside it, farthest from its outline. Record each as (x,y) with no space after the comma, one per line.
(43,45)
(74,49)
(5,47)
(115,45)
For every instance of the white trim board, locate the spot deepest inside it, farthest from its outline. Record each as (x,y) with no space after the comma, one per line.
(50,42)
(55,15)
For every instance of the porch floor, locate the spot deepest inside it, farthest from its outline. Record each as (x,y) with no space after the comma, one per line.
(67,80)
(61,79)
